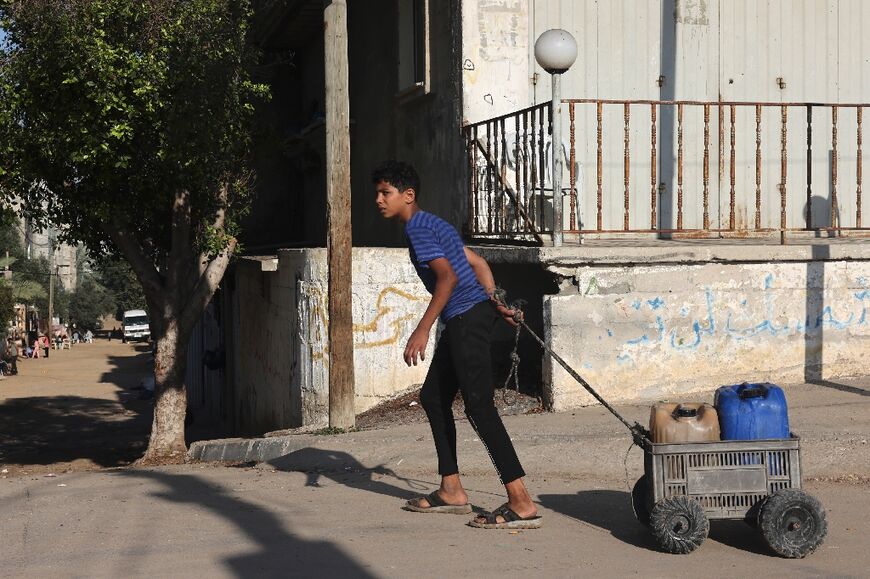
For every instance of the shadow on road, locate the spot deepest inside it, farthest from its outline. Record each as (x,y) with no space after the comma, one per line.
(841,387)
(606,509)
(45,430)
(344,469)
(280,553)
(738,535)
(126,372)
(611,511)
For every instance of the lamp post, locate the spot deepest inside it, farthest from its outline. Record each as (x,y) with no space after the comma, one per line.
(556,51)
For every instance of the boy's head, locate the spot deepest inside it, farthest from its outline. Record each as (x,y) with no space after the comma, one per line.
(397,185)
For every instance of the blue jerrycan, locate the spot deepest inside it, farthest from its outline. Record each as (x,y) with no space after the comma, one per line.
(752,412)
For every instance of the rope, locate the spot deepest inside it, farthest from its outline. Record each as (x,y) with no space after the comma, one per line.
(639,434)
(517,306)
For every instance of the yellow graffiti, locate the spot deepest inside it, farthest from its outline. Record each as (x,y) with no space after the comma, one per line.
(378,324)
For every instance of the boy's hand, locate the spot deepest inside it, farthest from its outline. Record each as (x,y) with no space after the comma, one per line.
(416,347)
(507,313)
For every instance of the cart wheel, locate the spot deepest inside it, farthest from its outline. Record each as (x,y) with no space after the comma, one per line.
(640,500)
(753,514)
(679,524)
(793,523)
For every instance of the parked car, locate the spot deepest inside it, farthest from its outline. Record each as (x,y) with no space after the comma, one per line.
(135,326)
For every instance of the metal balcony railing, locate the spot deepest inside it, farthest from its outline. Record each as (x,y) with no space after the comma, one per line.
(674,168)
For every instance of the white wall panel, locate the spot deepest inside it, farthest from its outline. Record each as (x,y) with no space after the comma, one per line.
(708,50)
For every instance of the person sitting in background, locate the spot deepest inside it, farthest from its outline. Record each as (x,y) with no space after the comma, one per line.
(10,358)
(75,338)
(89,337)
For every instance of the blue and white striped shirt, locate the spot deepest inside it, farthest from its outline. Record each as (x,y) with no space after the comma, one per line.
(430,237)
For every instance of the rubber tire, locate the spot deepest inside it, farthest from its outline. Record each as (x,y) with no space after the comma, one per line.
(640,500)
(781,511)
(752,516)
(679,524)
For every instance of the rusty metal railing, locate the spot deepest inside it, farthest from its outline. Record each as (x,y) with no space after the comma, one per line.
(744,194)
(694,168)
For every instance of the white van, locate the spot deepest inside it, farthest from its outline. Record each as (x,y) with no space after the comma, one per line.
(135,325)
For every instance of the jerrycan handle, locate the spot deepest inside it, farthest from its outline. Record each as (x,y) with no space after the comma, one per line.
(684,412)
(755,391)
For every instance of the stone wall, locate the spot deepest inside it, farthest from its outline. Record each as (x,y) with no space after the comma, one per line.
(667,330)
(263,348)
(281,361)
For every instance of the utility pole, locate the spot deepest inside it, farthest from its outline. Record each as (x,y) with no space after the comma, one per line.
(339,242)
(51,274)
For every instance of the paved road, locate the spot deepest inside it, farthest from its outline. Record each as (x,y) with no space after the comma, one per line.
(75,410)
(331,508)
(206,521)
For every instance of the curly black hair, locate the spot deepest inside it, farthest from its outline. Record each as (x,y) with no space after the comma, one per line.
(399,174)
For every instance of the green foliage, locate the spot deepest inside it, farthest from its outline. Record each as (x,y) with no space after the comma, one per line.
(10,236)
(89,303)
(7,307)
(110,108)
(28,292)
(30,282)
(116,276)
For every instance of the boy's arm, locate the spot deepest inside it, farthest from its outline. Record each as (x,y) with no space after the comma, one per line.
(484,275)
(482,271)
(445,281)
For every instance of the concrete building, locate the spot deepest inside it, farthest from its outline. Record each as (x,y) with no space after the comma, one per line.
(712,193)
(64,257)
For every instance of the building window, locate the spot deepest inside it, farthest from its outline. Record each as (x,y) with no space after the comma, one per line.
(413,46)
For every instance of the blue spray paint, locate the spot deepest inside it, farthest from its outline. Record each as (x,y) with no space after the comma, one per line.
(706,327)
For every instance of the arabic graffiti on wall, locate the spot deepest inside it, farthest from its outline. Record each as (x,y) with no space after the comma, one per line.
(680,328)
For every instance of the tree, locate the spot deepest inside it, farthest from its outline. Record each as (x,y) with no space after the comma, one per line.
(127,124)
(30,280)
(7,307)
(119,279)
(89,303)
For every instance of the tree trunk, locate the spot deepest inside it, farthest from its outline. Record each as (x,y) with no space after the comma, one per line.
(167,442)
(177,297)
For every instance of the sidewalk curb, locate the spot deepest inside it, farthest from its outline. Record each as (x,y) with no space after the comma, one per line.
(247,449)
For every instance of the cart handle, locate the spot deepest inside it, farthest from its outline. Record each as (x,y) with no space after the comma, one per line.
(639,434)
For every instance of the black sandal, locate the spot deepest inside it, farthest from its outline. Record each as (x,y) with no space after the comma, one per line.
(511,520)
(436,505)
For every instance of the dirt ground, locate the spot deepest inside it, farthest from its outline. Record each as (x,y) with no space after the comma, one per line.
(78,409)
(82,409)
(406,409)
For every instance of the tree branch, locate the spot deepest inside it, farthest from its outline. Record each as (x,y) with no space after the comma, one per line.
(144,269)
(206,286)
(179,252)
(220,215)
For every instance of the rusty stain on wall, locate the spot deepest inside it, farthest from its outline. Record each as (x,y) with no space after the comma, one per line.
(503,26)
(691,12)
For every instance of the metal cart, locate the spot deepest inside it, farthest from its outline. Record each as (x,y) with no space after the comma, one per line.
(686,485)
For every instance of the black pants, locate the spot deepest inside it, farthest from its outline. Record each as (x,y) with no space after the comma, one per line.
(462,362)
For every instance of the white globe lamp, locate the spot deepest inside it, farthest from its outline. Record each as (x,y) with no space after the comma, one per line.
(556,51)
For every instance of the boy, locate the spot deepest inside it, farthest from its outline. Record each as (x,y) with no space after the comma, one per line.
(461,285)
